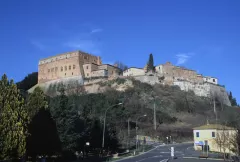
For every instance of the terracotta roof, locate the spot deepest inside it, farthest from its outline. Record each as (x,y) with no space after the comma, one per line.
(214,126)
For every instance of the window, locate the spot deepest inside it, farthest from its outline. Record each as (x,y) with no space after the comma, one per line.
(65,74)
(213,80)
(65,68)
(61,68)
(69,67)
(72,73)
(159,67)
(197,134)
(87,67)
(87,74)
(49,70)
(73,66)
(213,134)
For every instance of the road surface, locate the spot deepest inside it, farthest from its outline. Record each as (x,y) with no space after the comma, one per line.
(162,153)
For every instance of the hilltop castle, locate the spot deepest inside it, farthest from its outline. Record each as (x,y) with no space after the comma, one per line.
(79,66)
(186,79)
(74,65)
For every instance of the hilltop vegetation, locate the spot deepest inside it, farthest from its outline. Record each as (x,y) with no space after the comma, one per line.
(69,121)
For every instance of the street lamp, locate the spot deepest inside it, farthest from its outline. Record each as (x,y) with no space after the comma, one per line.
(105,121)
(136,128)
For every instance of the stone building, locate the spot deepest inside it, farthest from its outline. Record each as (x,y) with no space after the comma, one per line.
(133,71)
(210,80)
(176,73)
(77,65)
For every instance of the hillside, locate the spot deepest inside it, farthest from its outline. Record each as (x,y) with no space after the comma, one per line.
(177,111)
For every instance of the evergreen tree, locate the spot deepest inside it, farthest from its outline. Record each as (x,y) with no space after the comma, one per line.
(66,118)
(28,82)
(230,96)
(43,139)
(150,64)
(232,99)
(36,101)
(13,121)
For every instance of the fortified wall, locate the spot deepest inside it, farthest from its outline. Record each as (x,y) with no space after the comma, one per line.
(186,79)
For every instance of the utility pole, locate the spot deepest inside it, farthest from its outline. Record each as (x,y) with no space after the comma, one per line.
(154,117)
(128,133)
(104,123)
(214,108)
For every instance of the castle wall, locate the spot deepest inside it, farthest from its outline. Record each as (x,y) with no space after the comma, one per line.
(99,73)
(205,90)
(173,73)
(58,67)
(112,70)
(133,72)
(65,65)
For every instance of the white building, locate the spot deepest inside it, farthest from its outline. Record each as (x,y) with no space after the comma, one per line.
(210,80)
(159,69)
(133,71)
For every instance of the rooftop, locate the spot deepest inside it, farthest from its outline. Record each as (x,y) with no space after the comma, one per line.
(214,126)
(78,51)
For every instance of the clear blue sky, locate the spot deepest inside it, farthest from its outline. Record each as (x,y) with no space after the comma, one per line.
(199,34)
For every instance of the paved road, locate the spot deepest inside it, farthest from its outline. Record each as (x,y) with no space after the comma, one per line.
(162,153)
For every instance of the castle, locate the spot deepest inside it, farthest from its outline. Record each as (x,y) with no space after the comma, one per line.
(186,79)
(74,65)
(77,66)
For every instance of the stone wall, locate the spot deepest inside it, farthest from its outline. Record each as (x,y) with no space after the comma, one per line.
(65,65)
(148,79)
(99,73)
(205,90)
(112,70)
(59,68)
(173,73)
(133,72)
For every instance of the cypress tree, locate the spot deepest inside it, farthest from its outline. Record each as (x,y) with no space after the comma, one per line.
(13,121)
(36,101)
(150,64)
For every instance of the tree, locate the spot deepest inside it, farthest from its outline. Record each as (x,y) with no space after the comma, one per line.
(232,99)
(13,121)
(150,64)
(28,82)
(36,101)
(66,118)
(121,65)
(43,139)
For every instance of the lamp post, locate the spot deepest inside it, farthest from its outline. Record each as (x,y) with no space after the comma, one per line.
(136,128)
(104,124)
(128,141)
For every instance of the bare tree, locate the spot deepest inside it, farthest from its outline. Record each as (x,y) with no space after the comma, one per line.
(225,139)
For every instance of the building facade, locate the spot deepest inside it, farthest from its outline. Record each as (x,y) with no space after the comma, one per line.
(133,72)
(72,65)
(215,137)
(210,80)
